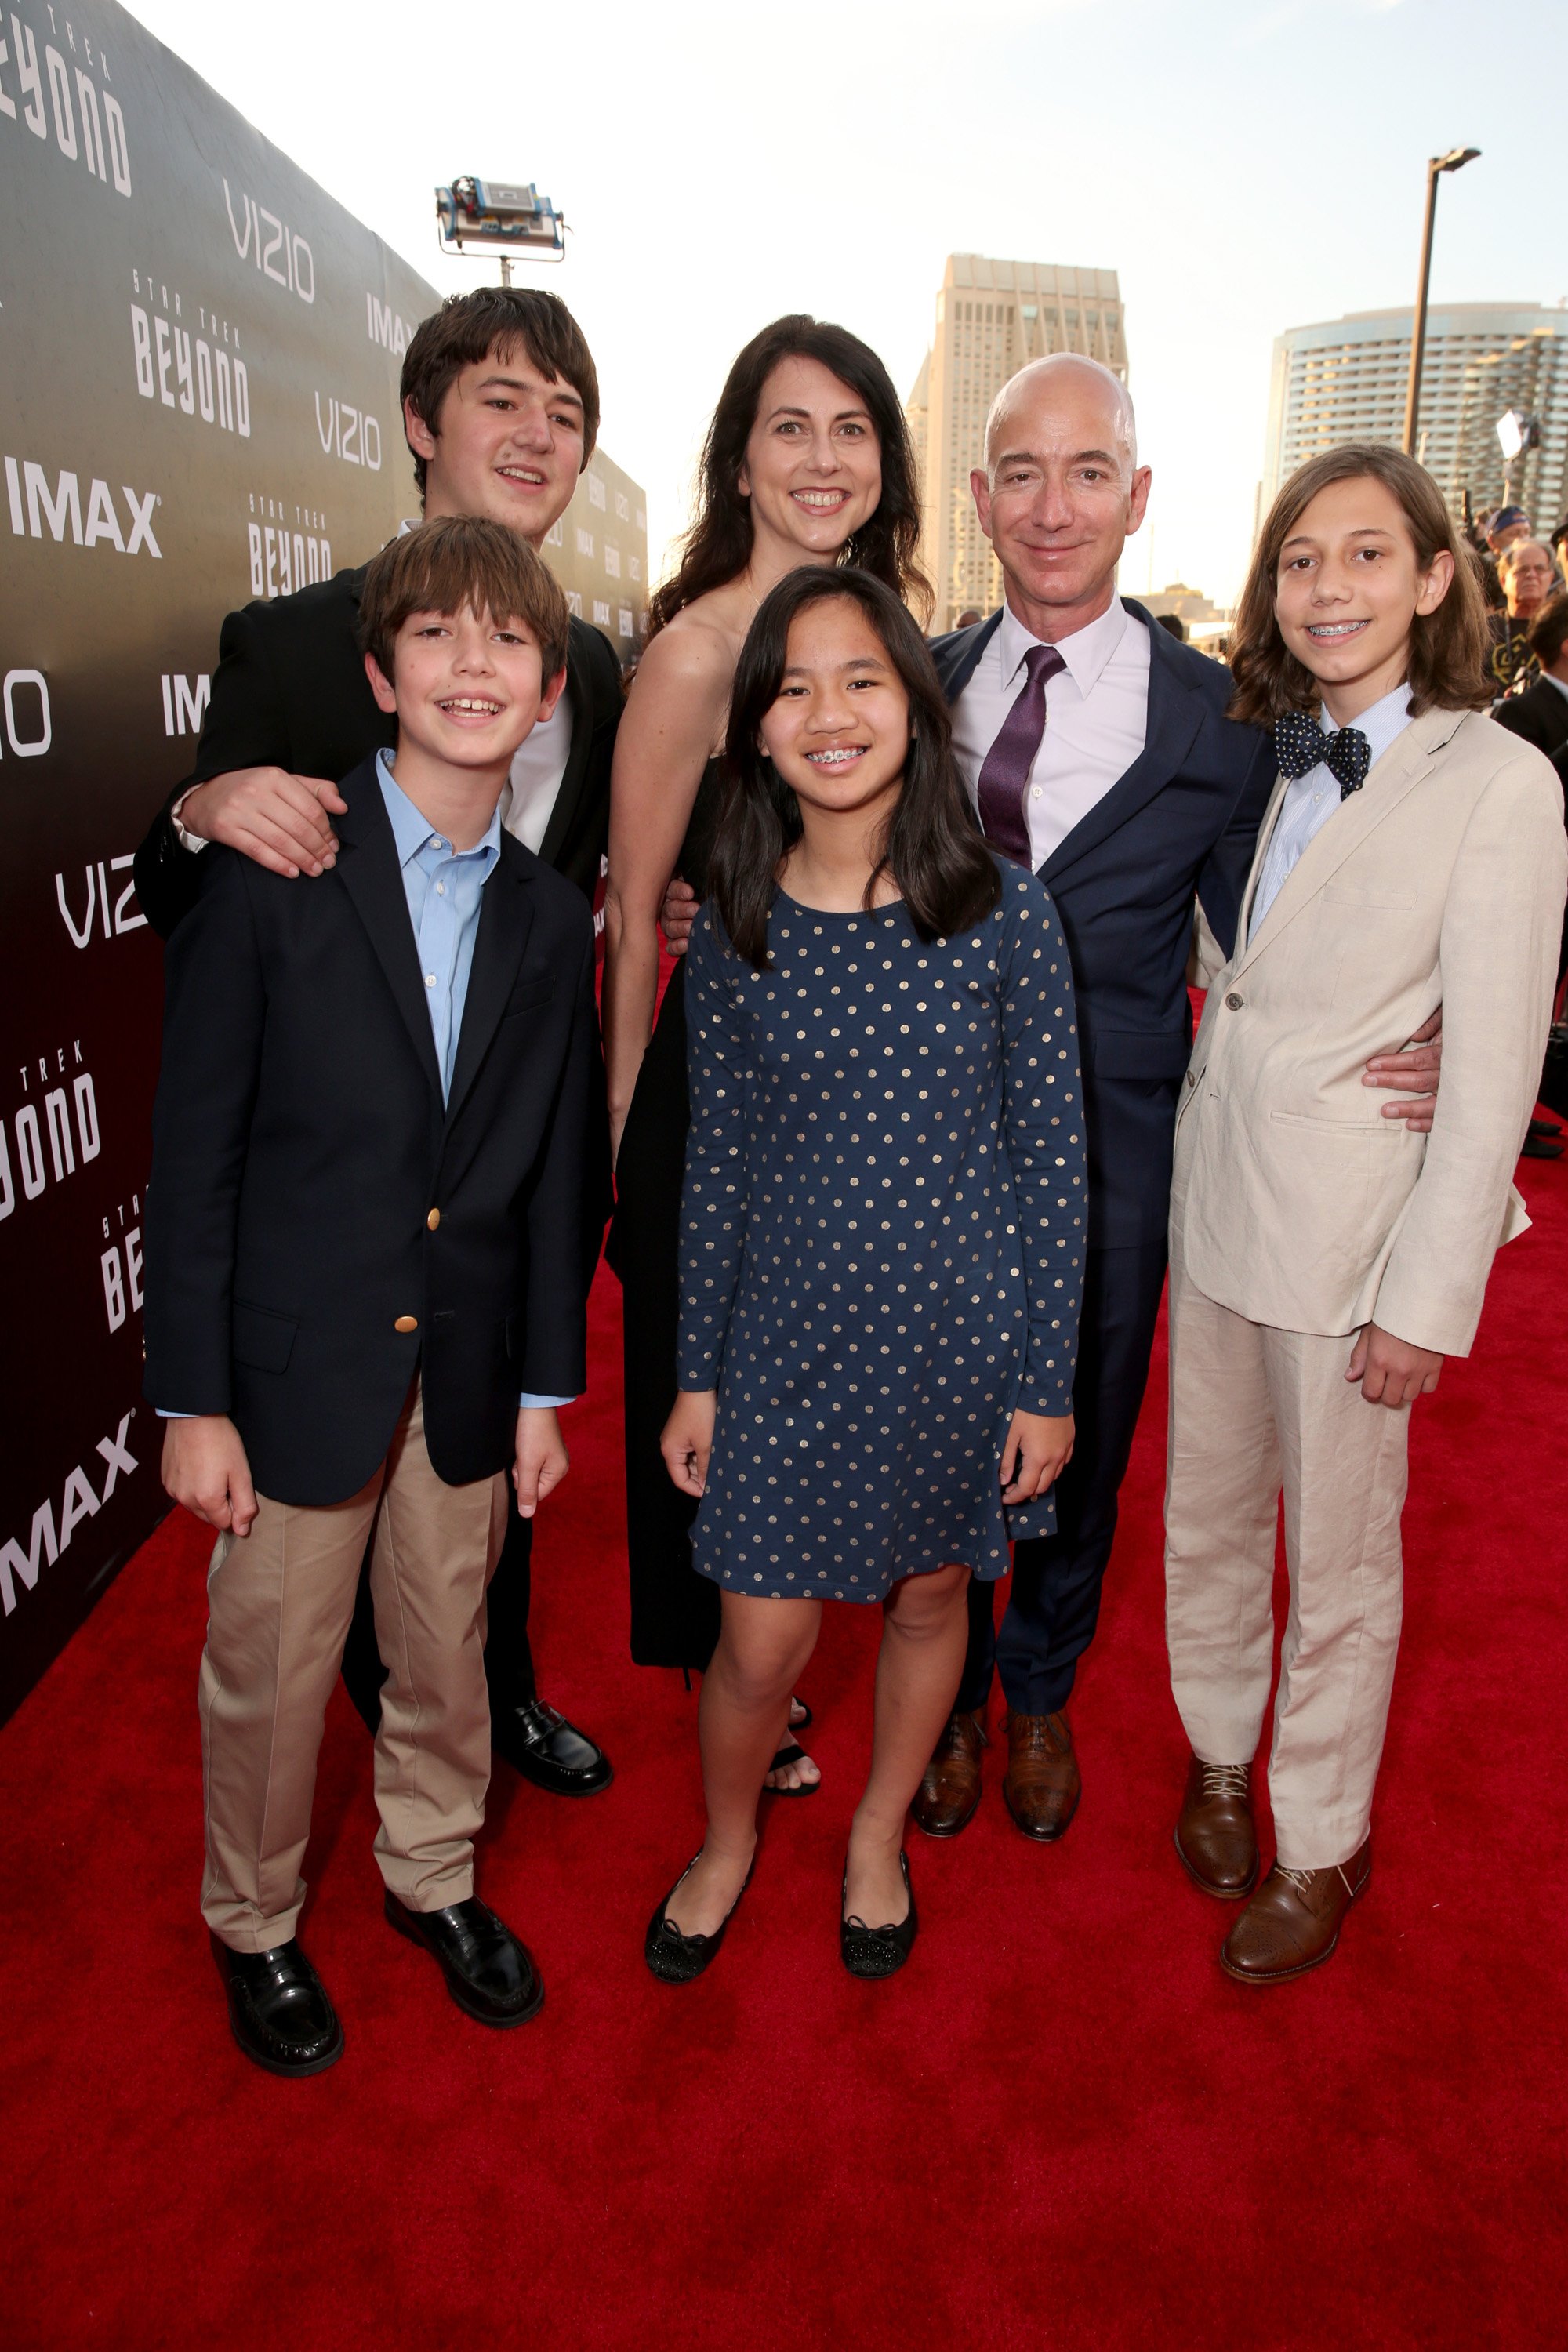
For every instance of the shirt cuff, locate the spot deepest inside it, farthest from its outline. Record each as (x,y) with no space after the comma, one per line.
(164,1415)
(538,1403)
(193,842)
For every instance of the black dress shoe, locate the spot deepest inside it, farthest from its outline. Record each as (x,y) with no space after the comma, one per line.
(676,1958)
(278,2009)
(489,1973)
(537,1741)
(1545,1127)
(878,1951)
(1536,1148)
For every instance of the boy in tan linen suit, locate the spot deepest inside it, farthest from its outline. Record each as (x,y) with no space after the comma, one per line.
(1323,1259)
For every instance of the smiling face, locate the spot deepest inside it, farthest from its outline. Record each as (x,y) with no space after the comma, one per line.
(813,470)
(839,730)
(1348,587)
(509,444)
(466,688)
(1527,576)
(1060,492)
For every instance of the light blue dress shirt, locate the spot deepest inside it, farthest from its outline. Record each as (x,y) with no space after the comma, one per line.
(443,886)
(1311,799)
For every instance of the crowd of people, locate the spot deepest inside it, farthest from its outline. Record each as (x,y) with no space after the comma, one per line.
(898,1162)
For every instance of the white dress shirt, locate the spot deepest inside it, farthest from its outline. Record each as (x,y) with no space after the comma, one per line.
(1311,799)
(1096,717)
(528,800)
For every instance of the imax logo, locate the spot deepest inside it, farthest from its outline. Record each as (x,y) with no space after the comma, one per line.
(35,505)
(384,327)
(79,1500)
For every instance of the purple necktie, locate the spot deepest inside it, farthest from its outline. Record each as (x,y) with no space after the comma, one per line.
(1004,779)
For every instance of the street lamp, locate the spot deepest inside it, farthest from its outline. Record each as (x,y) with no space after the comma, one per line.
(1453,161)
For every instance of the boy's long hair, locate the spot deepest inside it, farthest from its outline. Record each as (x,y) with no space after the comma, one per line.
(934,849)
(1447,648)
(718,547)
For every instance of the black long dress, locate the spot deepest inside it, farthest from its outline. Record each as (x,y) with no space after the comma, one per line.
(675,1611)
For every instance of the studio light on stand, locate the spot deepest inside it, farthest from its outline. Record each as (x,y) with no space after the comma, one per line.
(1517,437)
(502,217)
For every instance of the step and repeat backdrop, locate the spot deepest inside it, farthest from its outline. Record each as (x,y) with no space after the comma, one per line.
(199,359)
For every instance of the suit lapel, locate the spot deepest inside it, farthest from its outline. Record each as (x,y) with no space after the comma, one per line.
(584,721)
(368,869)
(506,918)
(1175,715)
(1406,763)
(957,656)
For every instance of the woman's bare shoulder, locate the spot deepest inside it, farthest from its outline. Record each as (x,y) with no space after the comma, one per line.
(698,648)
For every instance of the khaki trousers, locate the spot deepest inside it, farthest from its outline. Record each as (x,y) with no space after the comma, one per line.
(280,1603)
(1254,1411)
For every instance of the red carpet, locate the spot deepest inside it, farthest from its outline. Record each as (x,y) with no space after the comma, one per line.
(1061,2128)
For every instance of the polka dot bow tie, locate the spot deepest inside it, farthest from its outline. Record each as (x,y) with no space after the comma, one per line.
(1300,744)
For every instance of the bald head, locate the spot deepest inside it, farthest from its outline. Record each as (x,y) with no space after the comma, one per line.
(1063,379)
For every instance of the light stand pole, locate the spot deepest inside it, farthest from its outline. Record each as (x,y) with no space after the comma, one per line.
(1453,161)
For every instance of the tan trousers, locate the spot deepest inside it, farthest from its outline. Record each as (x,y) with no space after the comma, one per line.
(280,1602)
(1255,1411)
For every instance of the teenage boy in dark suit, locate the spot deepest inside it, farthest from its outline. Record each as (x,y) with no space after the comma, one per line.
(501,405)
(366,1276)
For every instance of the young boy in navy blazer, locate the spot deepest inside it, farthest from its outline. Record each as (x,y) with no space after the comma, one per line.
(366,1273)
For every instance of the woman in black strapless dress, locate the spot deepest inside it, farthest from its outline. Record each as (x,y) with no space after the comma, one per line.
(807,461)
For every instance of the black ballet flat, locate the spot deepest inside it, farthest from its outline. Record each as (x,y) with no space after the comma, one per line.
(676,1958)
(791,1753)
(878,1951)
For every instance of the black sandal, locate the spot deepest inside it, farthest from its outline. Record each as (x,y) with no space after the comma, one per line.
(792,1752)
(802,1722)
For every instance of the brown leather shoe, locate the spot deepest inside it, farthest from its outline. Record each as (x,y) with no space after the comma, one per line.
(946,1798)
(1042,1787)
(1292,1923)
(1215,1833)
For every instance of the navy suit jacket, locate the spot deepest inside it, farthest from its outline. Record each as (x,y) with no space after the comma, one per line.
(319,1225)
(1181,821)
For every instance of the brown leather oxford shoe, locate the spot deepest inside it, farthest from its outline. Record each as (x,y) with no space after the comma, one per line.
(1292,1923)
(1216,1836)
(1043,1785)
(946,1798)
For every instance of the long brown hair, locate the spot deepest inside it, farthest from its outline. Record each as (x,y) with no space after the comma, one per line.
(934,849)
(718,547)
(1447,647)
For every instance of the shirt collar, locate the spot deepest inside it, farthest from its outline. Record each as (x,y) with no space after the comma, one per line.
(412,831)
(1382,724)
(1086,652)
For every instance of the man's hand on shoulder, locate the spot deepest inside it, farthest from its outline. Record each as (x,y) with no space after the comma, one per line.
(279,820)
(1413,1075)
(204,1468)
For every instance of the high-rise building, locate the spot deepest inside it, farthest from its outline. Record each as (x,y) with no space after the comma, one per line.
(991,318)
(1344,380)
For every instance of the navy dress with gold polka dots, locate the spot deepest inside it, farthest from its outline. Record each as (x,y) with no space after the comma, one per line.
(882,1237)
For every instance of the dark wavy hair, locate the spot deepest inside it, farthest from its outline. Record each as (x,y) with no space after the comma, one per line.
(469,327)
(1447,648)
(718,547)
(934,849)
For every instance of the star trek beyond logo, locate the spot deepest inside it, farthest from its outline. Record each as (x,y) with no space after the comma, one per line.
(61,103)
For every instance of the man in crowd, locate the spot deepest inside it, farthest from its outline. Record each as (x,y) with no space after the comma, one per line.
(1541,712)
(501,405)
(1528,575)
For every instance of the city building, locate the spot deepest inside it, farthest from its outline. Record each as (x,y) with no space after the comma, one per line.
(991,318)
(1188,605)
(1344,380)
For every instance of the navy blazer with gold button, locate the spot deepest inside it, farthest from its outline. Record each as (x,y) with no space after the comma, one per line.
(296,1277)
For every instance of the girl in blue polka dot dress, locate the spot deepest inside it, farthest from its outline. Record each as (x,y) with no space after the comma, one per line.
(882,1227)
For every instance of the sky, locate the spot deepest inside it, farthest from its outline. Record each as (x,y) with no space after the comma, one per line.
(1245,165)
